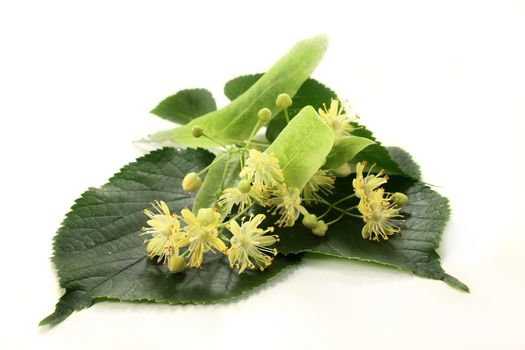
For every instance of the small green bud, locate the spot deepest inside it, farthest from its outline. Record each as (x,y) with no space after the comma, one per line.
(310,221)
(206,216)
(343,171)
(400,199)
(176,264)
(320,228)
(244,186)
(265,114)
(283,101)
(197,131)
(191,182)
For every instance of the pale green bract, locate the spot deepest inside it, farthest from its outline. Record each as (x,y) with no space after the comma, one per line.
(345,149)
(235,122)
(222,174)
(302,147)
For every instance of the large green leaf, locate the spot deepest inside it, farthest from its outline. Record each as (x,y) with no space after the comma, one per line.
(311,93)
(426,215)
(302,147)
(99,254)
(235,122)
(185,105)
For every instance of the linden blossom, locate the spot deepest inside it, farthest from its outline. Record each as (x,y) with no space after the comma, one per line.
(262,181)
(337,119)
(262,168)
(249,244)
(378,208)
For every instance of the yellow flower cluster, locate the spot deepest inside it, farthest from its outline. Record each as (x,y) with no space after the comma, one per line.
(181,247)
(199,236)
(377,207)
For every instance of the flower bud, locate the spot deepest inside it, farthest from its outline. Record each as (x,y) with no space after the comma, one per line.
(206,216)
(343,171)
(310,221)
(176,263)
(244,186)
(283,101)
(191,182)
(400,199)
(265,114)
(197,131)
(320,228)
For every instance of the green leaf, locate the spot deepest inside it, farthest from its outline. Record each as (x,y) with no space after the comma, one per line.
(222,174)
(377,154)
(185,105)
(238,86)
(405,162)
(345,149)
(311,93)
(235,122)
(99,254)
(302,147)
(426,215)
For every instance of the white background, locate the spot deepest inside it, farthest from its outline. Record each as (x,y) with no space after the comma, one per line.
(443,79)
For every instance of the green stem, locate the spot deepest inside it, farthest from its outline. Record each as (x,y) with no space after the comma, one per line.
(214,140)
(237,216)
(227,153)
(213,162)
(344,211)
(344,199)
(336,220)
(255,128)
(286,115)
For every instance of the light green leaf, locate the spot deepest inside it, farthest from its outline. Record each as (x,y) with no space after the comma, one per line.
(235,122)
(185,105)
(222,174)
(302,147)
(99,254)
(345,149)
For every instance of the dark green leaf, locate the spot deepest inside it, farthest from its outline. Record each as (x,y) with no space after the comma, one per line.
(426,215)
(99,254)
(237,86)
(185,105)
(405,161)
(376,154)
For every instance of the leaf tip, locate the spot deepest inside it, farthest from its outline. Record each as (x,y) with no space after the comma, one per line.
(455,283)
